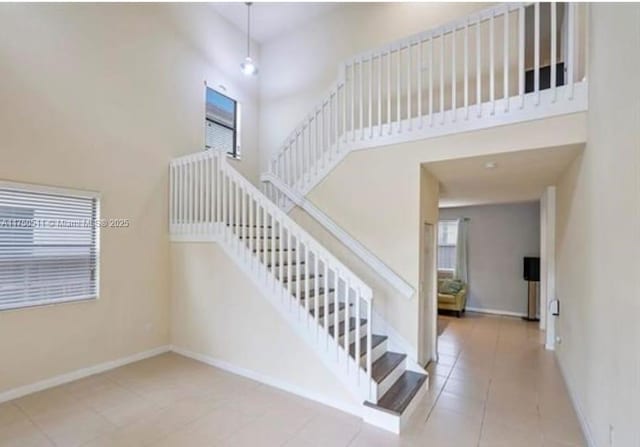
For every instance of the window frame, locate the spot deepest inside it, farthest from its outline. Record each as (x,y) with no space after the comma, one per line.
(443,269)
(71,193)
(235,154)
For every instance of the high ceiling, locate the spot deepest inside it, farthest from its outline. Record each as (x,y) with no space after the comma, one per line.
(517,176)
(269,20)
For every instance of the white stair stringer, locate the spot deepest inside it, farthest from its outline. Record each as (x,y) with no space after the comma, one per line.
(326,305)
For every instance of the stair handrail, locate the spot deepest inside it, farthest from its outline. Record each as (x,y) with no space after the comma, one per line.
(344,237)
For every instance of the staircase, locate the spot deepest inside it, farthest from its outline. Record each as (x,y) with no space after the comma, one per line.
(324,301)
(467,75)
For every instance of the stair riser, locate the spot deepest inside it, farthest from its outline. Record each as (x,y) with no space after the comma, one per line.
(303,283)
(312,300)
(352,334)
(261,244)
(378,352)
(331,316)
(265,256)
(388,381)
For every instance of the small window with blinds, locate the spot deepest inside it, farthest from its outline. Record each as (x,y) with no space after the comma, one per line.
(48,245)
(222,123)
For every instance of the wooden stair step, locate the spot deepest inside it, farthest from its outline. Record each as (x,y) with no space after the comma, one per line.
(249,226)
(342,326)
(312,292)
(302,277)
(399,396)
(382,367)
(375,341)
(262,250)
(260,237)
(293,263)
(332,307)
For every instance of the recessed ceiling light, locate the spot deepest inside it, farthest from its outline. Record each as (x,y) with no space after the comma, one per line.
(491,165)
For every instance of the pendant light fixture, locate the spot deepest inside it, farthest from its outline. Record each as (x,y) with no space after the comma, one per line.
(248,66)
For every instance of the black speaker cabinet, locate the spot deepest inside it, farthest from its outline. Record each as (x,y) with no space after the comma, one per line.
(531,269)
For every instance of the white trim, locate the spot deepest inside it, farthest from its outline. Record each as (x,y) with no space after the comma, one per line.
(505,313)
(345,238)
(24,390)
(582,418)
(268,380)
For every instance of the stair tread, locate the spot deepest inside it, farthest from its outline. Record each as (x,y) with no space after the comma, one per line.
(259,237)
(262,250)
(399,396)
(332,307)
(302,277)
(248,226)
(341,326)
(293,263)
(382,367)
(312,292)
(375,341)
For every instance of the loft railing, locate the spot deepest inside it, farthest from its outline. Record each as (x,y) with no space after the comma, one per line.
(509,63)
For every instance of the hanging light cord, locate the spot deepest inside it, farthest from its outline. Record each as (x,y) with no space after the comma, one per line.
(249,28)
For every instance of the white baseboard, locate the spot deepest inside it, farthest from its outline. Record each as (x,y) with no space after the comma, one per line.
(506,313)
(24,390)
(582,419)
(267,380)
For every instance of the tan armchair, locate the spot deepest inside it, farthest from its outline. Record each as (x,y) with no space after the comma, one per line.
(449,299)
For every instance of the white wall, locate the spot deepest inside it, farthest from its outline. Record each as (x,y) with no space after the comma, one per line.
(598,238)
(499,237)
(101,97)
(218,313)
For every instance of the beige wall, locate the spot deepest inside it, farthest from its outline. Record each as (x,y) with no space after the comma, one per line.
(217,312)
(375,196)
(598,238)
(101,97)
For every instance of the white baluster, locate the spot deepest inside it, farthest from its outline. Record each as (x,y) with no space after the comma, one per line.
(521,55)
(361,100)
(492,64)
(453,75)
(554,44)
(466,69)
(398,88)
(420,76)
(478,67)
(389,92)
(442,76)
(370,102)
(431,79)
(505,82)
(571,35)
(380,94)
(410,124)
(536,51)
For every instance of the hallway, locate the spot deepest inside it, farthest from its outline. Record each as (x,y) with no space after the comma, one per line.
(495,385)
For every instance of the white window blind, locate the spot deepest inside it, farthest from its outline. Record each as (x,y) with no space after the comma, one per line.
(48,245)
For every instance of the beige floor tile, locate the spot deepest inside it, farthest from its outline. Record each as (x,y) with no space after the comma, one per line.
(73,428)
(23,433)
(10,413)
(495,386)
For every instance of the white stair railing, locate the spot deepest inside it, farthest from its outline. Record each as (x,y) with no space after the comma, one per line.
(469,74)
(329,304)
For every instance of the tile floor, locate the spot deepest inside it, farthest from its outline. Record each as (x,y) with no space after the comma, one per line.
(494,386)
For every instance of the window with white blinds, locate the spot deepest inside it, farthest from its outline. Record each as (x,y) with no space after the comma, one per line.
(48,245)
